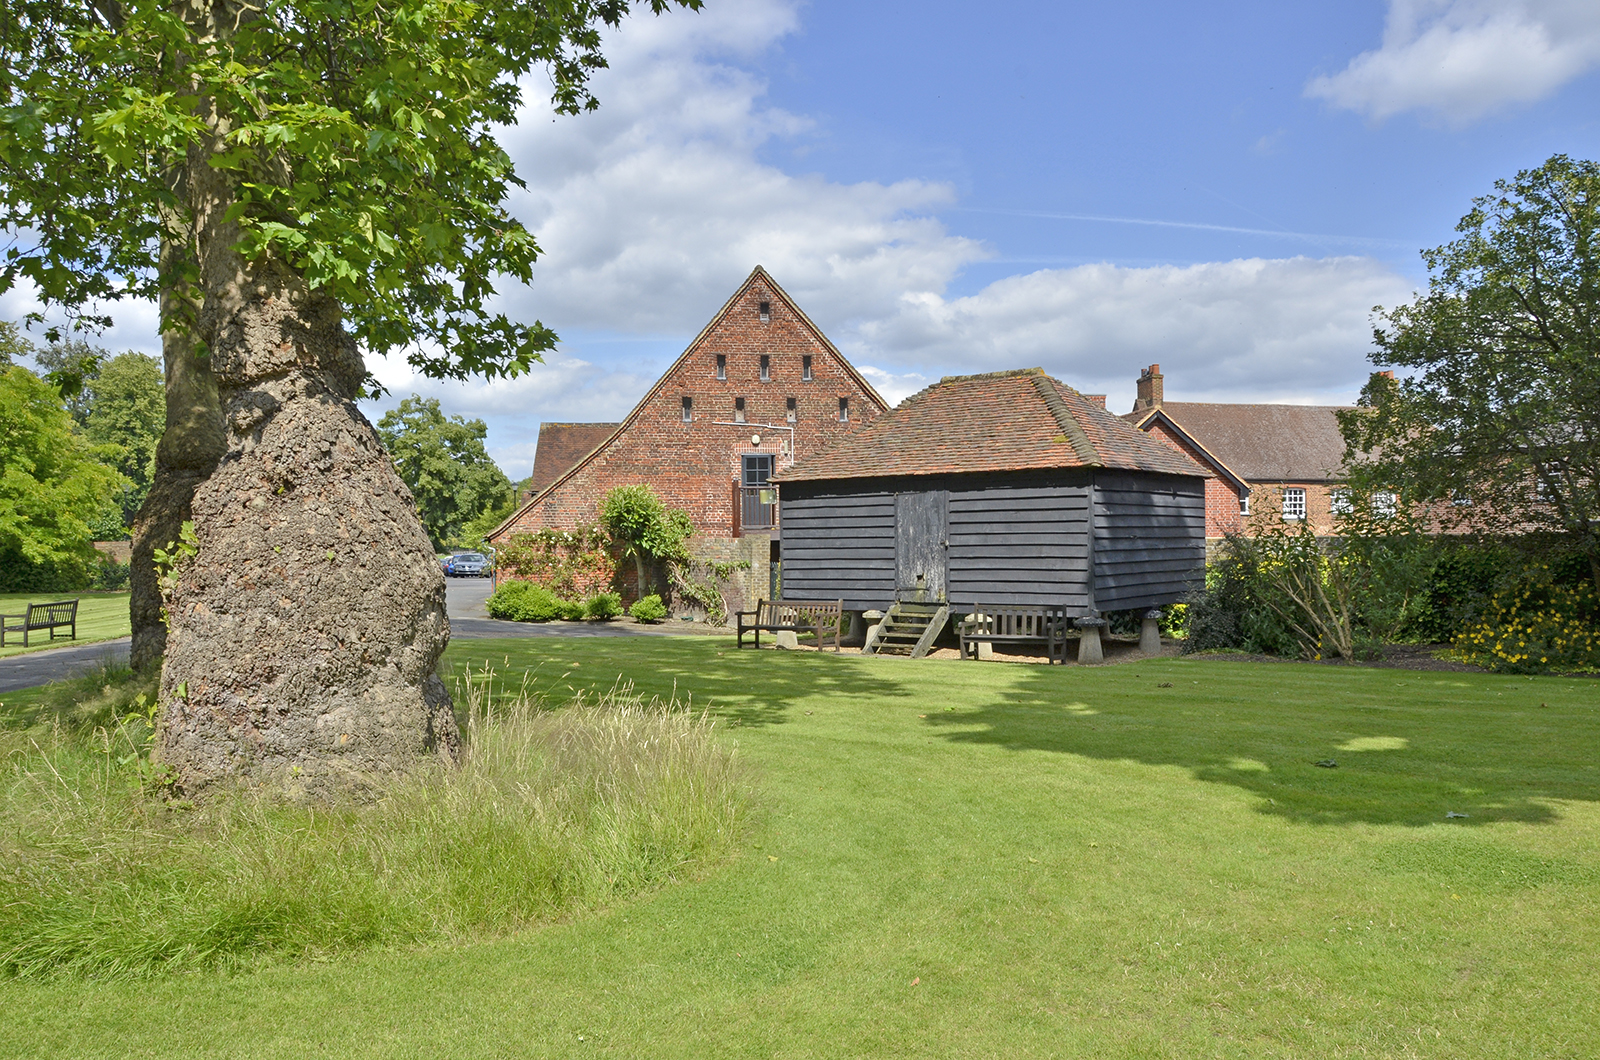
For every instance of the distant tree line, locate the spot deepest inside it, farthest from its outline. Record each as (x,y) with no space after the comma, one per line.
(80,436)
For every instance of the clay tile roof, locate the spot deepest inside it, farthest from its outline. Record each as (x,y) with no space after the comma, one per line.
(561,445)
(1000,421)
(1265,443)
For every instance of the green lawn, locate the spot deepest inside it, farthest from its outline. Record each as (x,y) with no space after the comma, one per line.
(101,616)
(987,860)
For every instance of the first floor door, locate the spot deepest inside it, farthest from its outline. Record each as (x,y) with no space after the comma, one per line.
(921,539)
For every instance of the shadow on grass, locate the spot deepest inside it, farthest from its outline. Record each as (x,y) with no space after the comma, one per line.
(1408,748)
(743,688)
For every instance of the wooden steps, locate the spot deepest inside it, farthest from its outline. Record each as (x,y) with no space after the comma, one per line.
(909,629)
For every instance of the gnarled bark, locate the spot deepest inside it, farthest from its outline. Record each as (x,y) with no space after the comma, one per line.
(305,632)
(304,635)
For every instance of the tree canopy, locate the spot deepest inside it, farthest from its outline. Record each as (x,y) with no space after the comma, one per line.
(645,527)
(444,463)
(127,411)
(357,141)
(52,481)
(1500,409)
(13,344)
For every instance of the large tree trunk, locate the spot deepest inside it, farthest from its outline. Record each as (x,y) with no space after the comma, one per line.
(191,444)
(304,634)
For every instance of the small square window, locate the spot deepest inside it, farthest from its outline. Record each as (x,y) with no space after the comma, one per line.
(722,366)
(790,410)
(688,410)
(738,410)
(766,312)
(1294,504)
(1385,504)
(1460,498)
(1244,505)
(844,410)
(766,368)
(805,367)
(1339,502)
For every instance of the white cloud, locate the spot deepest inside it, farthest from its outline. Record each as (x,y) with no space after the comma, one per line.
(1288,329)
(135,325)
(561,389)
(1463,59)
(653,208)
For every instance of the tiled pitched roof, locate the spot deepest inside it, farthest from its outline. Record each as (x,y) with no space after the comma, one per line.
(1000,421)
(561,445)
(1263,443)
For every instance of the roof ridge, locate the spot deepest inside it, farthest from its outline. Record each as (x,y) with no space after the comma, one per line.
(1064,418)
(1008,373)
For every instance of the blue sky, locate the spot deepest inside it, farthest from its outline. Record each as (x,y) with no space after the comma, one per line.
(1226,189)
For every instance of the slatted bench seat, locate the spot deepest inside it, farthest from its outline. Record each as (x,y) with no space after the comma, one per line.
(40,617)
(797,616)
(1015,625)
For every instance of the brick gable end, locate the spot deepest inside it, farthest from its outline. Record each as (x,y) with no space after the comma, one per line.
(696,465)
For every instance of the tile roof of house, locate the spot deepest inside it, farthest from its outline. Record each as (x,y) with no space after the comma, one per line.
(1000,421)
(561,446)
(1262,443)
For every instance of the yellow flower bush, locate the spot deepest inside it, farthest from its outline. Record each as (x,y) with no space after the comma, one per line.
(1534,627)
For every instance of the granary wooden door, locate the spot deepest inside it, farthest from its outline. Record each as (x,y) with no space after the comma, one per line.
(921,538)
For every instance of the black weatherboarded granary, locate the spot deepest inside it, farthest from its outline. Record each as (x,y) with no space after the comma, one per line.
(1009,489)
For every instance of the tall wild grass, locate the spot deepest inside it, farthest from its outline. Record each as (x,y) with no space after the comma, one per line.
(550,810)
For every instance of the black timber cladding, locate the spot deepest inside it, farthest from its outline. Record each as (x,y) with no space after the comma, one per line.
(1149,546)
(1018,538)
(838,542)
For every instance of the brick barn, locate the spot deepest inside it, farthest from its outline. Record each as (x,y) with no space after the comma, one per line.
(758,388)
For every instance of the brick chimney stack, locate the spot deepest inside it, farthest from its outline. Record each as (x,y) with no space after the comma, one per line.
(1149,396)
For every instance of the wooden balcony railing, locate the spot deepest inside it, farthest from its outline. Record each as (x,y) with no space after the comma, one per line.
(758,507)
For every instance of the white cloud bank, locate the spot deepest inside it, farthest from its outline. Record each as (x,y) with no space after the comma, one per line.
(1289,329)
(1464,59)
(653,208)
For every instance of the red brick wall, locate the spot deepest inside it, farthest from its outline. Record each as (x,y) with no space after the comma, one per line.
(1266,505)
(693,466)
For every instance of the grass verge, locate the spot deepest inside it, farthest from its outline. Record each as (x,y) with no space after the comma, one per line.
(957,859)
(550,811)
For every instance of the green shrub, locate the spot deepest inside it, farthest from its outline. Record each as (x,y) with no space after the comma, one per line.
(548,812)
(649,609)
(1231,614)
(1535,627)
(572,610)
(520,601)
(111,576)
(602,606)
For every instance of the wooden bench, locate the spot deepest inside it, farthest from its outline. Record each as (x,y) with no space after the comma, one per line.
(795,616)
(40,617)
(1015,625)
